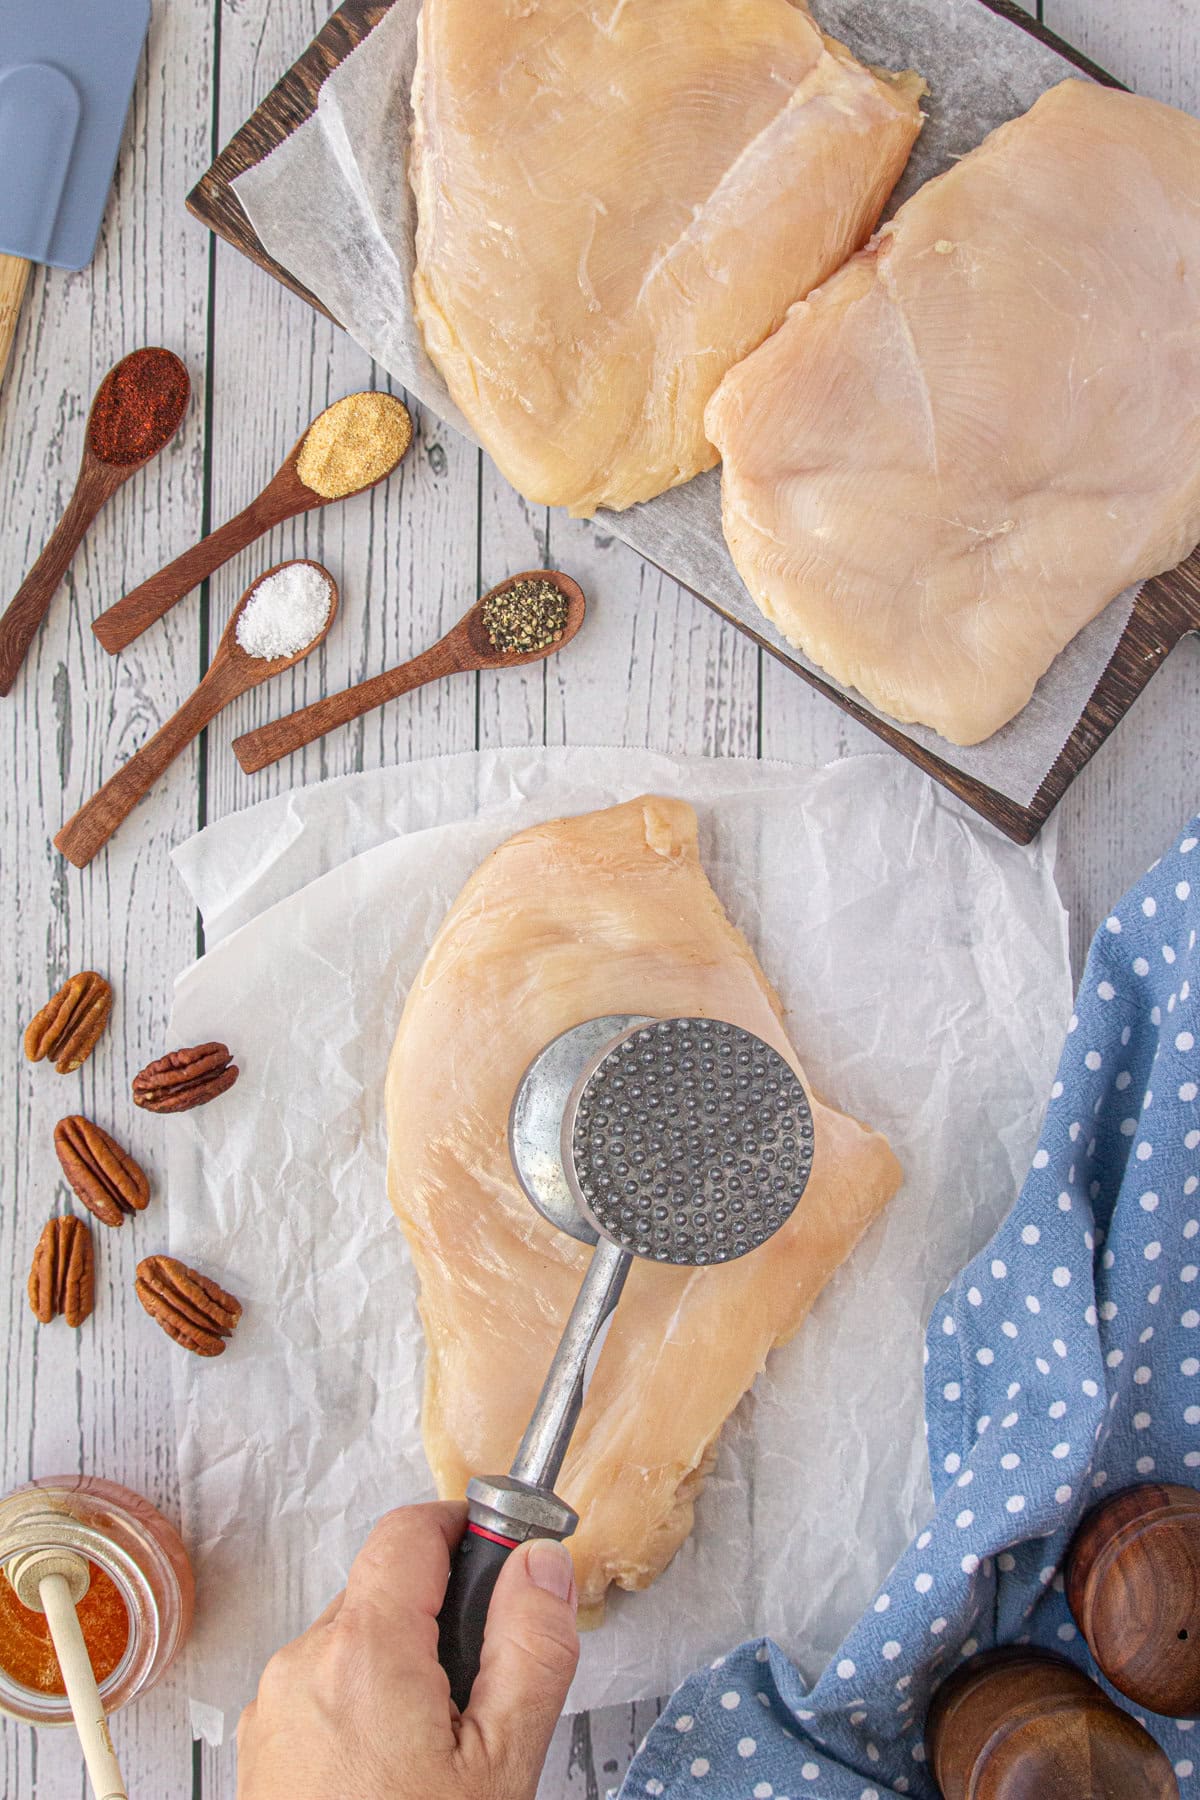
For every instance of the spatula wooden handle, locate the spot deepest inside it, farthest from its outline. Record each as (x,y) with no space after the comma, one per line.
(88,830)
(14,277)
(29,606)
(139,608)
(268,743)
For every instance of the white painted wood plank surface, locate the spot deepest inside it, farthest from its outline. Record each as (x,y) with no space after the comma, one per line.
(1154,47)
(1124,809)
(654,668)
(99,1399)
(404,555)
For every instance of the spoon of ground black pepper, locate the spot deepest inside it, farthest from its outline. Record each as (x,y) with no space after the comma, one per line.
(348,448)
(279,620)
(524,619)
(136,412)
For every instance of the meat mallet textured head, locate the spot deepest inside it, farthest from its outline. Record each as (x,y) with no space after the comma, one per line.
(690,1141)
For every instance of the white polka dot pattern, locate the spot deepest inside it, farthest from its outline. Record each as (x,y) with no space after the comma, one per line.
(1064,1362)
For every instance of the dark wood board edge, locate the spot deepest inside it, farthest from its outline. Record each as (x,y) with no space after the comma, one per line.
(1019,823)
(1167,608)
(1016,15)
(1148,639)
(290,102)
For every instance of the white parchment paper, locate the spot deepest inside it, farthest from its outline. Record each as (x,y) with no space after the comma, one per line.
(333,205)
(922,959)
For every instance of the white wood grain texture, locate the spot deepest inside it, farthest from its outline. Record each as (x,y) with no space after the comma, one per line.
(98,1399)
(652,668)
(591,1752)
(1127,805)
(404,555)
(513,535)
(657,668)
(1154,47)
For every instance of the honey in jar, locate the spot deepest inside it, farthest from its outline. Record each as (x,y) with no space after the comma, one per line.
(27,1655)
(135,1614)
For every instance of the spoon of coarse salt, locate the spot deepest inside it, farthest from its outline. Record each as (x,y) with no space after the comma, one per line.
(522,620)
(278,621)
(348,448)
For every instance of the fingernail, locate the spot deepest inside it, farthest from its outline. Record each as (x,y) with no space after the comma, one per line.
(550,1567)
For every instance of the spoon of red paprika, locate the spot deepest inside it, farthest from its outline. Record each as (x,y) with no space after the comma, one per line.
(136,412)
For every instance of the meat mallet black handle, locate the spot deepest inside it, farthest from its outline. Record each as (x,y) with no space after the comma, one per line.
(474,1571)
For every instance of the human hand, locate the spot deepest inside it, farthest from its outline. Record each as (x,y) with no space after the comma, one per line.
(360,1707)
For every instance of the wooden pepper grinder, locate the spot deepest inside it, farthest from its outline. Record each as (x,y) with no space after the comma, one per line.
(1133,1586)
(1023,1724)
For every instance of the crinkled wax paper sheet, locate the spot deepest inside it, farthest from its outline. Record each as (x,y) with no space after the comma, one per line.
(922,960)
(332,204)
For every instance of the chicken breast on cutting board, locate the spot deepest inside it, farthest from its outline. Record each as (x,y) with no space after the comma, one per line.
(955,453)
(617,199)
(610,912)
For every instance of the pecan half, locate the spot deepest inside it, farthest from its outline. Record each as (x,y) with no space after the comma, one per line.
(69,1026)
(62,1274)
(101,1174)
(185,1078)
(190,1308)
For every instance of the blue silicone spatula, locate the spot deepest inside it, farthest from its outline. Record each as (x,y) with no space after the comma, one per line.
(66,75)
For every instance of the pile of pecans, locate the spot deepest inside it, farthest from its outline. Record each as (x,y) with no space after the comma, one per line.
(108,1181)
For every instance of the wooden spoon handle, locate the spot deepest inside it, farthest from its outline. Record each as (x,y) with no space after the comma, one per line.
(14,274)
(268,743)
(90,828)
(130,616)
(31,602)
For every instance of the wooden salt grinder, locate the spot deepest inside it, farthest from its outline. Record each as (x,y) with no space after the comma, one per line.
(1022,1724)
(1133,1586)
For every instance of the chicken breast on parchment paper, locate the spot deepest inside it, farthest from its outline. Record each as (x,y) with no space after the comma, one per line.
(956,452)
(610,912)
(617,199)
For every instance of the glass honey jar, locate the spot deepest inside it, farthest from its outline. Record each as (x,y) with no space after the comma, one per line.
(138,1609)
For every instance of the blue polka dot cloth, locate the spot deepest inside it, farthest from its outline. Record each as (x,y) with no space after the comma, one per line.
(1063,1362)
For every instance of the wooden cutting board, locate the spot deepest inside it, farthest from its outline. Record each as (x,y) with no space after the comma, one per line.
(1167,608)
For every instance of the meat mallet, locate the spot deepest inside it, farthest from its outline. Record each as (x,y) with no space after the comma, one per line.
(686,1141)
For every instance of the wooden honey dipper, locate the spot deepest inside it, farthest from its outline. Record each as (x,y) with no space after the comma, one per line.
(53,1582)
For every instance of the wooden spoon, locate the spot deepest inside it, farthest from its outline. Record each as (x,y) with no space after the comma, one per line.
(465,647)
(284,497)
(96,483)
(232,672)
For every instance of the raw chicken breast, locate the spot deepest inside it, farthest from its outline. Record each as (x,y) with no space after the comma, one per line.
(956,452)
(607,913)
(617,199)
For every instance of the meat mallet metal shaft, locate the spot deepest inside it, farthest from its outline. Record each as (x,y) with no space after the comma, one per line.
(685,1141)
